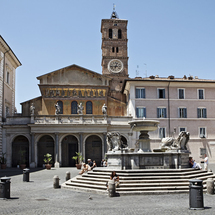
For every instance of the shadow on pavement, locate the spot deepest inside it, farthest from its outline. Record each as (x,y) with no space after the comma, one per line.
(15,171)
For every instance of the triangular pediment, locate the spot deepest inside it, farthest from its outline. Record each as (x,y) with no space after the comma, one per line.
(73,75)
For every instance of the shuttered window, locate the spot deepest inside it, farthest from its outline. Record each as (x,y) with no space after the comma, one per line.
(201,113)
(161,113)
(140,112)
(140,93)
(182,112)
(201,94)
(181,93)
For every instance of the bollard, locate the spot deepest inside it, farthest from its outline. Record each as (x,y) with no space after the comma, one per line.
(26,173)
(196,194)
(5,188)
(56,182)
(111,188)
(67,175)
(210,186)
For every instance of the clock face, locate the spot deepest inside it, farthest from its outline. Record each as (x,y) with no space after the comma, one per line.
(115,66)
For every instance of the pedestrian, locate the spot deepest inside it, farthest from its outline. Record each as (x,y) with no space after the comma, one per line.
(206,162)
(90,163)
(101,164)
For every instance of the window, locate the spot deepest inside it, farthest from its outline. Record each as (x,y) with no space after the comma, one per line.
(201,113)
(162,133)
(8,78)
(140,112)
(140,93)
(161,93)
(89,107)
(113,49)
(182,112)
(60,103)
(7,111)
(182,129)
(200,93)
(161,112)
(117,49)
(181,93)
(74,106)
(202,132)
(110,33)
(119,34)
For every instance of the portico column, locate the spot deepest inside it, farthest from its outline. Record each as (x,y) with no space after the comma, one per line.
(105,143)
(32,164)
(80,147)
(56,165)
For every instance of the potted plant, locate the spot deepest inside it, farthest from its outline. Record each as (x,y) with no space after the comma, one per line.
(22,161)
(47,159)
(3,161)
(78,159)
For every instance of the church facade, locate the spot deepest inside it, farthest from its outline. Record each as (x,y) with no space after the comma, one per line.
(41,128)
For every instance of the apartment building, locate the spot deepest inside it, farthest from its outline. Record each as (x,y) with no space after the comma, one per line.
(180,104)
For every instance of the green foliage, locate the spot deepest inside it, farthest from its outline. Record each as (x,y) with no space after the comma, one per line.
(3,160)
(78,158)
(47,158)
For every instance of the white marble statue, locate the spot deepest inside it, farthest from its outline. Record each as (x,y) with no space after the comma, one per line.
(180,142)
(32,108)
(104,109)
(57,109)
(80,109)
(114,141)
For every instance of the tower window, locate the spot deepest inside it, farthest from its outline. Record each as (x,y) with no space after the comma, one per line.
(113,49)
(119,34)
(110,33)
(8,77)
(117,49)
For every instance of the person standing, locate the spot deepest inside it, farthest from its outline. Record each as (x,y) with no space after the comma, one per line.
(206,162)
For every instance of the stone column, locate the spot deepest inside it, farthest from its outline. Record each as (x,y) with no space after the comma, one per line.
(32,164)
(56,165)
(80,147)
(105,143)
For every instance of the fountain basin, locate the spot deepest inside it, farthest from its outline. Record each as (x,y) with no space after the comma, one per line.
(144,125)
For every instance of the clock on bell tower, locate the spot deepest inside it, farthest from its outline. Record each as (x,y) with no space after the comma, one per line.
(114,50)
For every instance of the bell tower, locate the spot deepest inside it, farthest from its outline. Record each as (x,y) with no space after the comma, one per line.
(114,51)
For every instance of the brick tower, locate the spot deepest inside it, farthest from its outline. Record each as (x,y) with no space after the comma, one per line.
(114,53)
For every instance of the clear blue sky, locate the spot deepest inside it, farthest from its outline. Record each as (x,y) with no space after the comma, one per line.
(172,37)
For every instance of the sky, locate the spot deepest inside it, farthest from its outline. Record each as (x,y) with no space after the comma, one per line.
(165,37)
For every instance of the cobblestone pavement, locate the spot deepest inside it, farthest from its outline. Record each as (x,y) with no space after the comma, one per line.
(39,197)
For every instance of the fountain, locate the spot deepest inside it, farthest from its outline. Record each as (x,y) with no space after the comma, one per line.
(171,154)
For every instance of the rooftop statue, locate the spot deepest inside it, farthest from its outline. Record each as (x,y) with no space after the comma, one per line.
(80,109)
(57,109)
(32,108)
(104,109)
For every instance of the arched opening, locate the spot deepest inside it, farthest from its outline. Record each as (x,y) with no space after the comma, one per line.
(124,140)
(74,106)
(93,149)
(89,107)
(110,33)
(60,103)
(20,146)
(119,34)
(45,145)
(69,148)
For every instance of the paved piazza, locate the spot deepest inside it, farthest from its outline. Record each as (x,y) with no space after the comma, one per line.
(39,197)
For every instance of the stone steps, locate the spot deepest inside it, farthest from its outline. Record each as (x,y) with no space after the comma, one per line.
(139,181)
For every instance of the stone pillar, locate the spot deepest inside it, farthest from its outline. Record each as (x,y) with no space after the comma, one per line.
(105,142)
(210,186)
(32,164)
(80,147)
(144,142)
(56,165)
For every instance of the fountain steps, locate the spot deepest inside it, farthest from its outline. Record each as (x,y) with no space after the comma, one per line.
(139,182)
